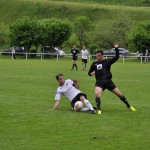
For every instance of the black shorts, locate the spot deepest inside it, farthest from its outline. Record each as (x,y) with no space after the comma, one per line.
(106,85)
(84,60)
(74,57)
(77,98)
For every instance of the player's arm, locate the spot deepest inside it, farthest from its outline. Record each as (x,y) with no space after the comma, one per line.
(55,105)
(114,59)
(91,70)
(75,84)
(87,54)
(78,53)
(57,100)
(116,49)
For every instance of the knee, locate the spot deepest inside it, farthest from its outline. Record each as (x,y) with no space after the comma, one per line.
(82,98)
(97,94)
(120,95)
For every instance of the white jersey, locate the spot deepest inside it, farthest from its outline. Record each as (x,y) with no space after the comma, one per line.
(67,90)
(84,54)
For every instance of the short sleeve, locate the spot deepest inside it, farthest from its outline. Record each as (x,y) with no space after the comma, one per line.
(58,94)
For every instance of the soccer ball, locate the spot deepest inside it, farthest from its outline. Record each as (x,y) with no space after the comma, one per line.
(78,105)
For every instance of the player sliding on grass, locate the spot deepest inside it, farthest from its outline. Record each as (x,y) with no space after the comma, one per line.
(101,70)
(69,89)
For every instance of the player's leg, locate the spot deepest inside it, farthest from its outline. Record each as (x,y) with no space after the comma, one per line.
(122,98)
(87,103)
(73,64)
(82,64)
(85,65)
(98,92)
(85,62)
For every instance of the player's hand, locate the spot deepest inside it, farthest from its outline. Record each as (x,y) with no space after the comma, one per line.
(75,109)
(51,109)
(116,45)
(93,73)
(75,84)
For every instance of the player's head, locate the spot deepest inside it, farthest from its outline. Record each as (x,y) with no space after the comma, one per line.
(99,55)
(60,79)
(74,46)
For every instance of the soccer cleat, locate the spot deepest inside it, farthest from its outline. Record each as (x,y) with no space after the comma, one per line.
(132,108)
(99,112)
(93,112)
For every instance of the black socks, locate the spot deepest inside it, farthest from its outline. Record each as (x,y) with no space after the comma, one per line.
(98,102)
(74,65)
(125,101)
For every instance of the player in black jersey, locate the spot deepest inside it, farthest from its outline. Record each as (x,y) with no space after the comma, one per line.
(101,70)
(75,53)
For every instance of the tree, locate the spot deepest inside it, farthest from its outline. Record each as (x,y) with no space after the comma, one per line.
(106,32)
(50,32)
(71,41)
(82,26)
(4,34)
(56,31)
(140,36)
(23,32)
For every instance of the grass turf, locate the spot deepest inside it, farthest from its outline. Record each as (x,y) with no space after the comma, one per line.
(27,90)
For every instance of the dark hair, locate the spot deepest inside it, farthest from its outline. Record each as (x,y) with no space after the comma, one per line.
(100,51)
(58,75)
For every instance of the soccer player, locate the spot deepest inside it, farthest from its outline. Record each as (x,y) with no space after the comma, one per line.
(146,56)
(14,53)
(69,89)
(75,53)
(101,70)
(84,55)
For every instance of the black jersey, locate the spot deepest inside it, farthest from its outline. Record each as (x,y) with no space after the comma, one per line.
(74,52)
(102,68)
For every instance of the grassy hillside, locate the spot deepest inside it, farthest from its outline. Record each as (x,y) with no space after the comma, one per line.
(114,2)
(14,9)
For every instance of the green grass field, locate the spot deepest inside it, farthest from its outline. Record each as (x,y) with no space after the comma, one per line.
(27,90)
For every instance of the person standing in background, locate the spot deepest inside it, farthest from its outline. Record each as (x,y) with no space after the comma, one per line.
(146,56)
(84,56)
(75,53)
(13,53)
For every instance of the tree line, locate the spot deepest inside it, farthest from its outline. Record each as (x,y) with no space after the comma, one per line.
(55,32)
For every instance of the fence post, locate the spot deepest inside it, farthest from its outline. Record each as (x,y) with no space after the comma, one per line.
(26,55)
(57,57)
(123,59)
(41,56)
(12,55)
(141,60)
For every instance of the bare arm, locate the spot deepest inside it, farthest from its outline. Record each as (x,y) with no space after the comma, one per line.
(75,84)
(55,105)
(114,59)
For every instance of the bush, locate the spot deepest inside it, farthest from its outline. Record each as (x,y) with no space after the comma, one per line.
(93,49)
(32,53)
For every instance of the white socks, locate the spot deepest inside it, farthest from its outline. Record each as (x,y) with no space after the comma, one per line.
(85,109)
(88,104)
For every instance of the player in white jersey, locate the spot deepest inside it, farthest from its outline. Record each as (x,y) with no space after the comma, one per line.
(68,89)
(84,55)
